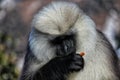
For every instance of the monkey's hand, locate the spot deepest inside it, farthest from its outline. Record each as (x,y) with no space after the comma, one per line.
(76,63)
(70,63)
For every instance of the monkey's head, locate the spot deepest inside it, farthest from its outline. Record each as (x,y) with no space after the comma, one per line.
(57,21)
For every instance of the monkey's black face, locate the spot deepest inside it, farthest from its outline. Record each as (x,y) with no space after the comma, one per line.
(64,44)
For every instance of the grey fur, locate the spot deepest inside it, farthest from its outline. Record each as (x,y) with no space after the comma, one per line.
(101,62)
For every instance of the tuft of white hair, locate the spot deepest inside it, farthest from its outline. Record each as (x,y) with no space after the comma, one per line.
(57,18)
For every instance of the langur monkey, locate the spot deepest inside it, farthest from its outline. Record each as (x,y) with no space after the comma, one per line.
(60,31)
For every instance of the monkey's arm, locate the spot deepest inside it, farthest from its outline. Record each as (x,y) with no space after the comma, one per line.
(58,68)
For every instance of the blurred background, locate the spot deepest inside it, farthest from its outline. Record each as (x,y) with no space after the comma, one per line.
(15,19)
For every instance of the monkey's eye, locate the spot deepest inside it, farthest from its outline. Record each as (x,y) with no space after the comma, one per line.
(58,40)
